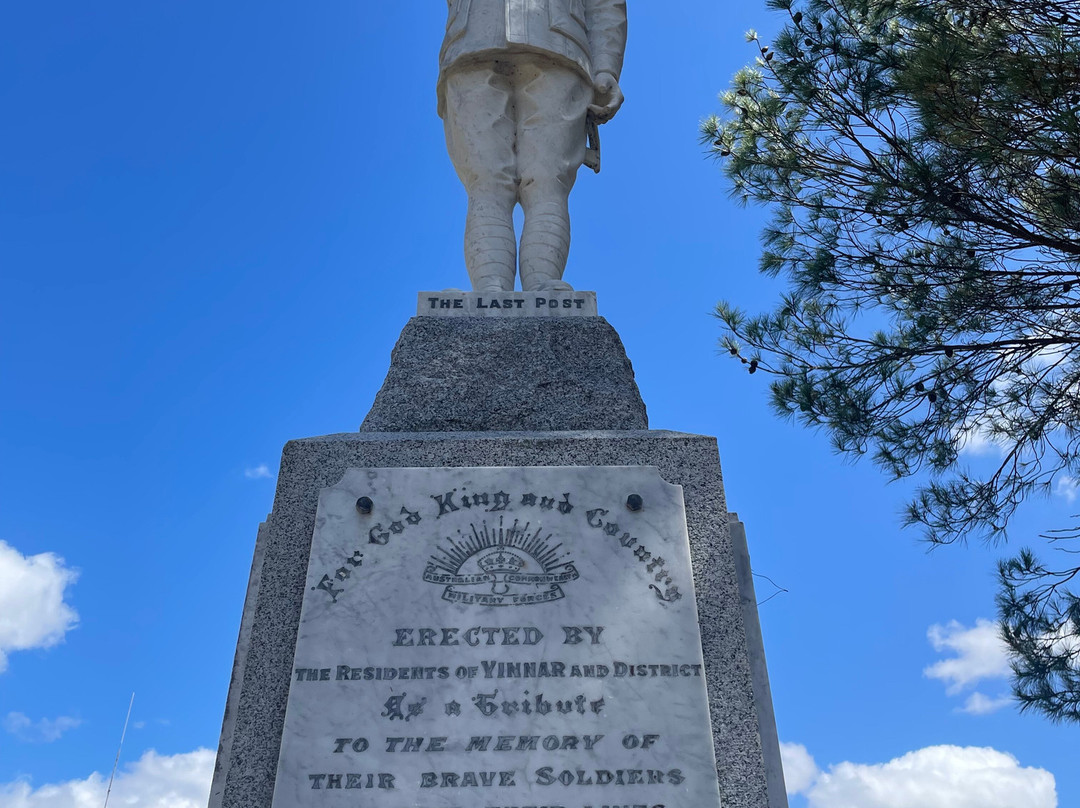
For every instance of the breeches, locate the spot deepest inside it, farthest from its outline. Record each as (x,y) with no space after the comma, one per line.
(515,130)
(515,122)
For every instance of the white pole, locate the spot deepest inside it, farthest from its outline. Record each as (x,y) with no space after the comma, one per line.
(121,746)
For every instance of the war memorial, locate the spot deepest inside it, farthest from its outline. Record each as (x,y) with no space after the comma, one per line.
(505,589)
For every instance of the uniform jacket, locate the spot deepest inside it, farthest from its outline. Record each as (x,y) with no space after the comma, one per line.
(589,35)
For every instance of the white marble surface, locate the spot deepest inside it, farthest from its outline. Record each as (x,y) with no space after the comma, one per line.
(549,616)
(505,305)
(523,87)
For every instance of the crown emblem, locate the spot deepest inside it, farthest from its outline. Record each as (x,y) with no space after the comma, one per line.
(501,562)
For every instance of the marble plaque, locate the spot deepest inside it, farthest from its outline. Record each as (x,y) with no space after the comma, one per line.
(506,304)
(496,637)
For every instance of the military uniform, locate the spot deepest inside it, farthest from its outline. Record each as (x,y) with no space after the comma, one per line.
(515,82)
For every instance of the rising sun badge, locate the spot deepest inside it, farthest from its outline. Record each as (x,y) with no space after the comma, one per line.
(503,566)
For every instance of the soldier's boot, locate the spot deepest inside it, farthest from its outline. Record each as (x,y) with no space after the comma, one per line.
(545,245)
(490,244)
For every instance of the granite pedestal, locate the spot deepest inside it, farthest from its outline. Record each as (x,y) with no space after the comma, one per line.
(417,423)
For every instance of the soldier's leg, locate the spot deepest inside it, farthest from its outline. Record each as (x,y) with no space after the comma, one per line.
(552,102)
(480,138)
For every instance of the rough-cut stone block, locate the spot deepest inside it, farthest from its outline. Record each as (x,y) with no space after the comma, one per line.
(476,374)
(243,645)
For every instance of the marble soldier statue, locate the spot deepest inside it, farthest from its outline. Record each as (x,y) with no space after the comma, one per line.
(520,82)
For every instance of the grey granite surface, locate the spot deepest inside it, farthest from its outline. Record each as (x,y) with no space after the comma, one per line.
(473,374)
(312,464)
(759,672)
(243,645)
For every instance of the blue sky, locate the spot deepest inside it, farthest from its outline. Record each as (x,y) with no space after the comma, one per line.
(214,219)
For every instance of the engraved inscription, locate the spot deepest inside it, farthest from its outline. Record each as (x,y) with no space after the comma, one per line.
(506,304)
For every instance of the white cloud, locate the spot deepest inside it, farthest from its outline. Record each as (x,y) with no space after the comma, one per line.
(980,654)
(155,781)
(800,770)
(977,440)
(1067,487)
(259,472)
(45,730)
(1061,642)
(981,704)
(33,613)
(936,777)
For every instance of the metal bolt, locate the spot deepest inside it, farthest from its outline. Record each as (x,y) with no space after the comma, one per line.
(635,503)
(364,505)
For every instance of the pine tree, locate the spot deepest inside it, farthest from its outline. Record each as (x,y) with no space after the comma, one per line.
(921,160)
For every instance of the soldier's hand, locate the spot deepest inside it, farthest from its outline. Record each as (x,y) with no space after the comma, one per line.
(607,97)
